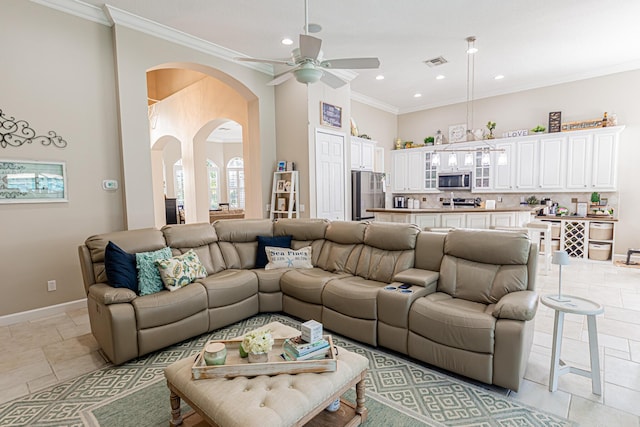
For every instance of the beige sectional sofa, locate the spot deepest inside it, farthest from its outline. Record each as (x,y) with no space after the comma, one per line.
(469,307)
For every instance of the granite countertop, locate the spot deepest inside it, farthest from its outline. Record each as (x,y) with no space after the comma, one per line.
(579,218)
(461,209)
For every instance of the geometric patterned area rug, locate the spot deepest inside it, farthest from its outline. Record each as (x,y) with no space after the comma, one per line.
(394,385)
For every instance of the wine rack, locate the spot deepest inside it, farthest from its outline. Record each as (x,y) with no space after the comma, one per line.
(574,238)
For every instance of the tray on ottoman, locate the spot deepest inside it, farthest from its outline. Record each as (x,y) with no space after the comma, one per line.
(235,366)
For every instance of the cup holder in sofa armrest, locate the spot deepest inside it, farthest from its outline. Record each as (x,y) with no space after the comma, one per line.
(417,276)
(107,295)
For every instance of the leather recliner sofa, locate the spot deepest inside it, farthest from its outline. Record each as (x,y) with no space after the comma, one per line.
(469,307)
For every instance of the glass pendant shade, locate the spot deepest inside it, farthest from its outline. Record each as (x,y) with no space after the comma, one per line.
(486,158)
(468,159)
(453,159)
(502,159)
(436,159)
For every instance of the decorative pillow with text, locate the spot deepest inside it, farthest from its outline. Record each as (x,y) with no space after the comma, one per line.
(181,270)
(288,258)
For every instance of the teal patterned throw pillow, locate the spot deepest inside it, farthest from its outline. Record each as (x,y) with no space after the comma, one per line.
(181,270)
(149,281)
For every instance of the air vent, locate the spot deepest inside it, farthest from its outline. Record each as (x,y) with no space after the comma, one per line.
(434,62)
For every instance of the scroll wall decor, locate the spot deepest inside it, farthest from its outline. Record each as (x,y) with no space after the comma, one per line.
(16,133)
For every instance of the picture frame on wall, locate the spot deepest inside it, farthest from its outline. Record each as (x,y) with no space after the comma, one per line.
(458,133)
(330,115)
(555,121)
(33,181)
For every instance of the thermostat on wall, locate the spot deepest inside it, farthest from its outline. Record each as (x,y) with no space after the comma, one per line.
(110,184)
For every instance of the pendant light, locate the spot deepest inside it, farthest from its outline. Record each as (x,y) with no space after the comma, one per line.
(468,159)
(453,159)
(435,160)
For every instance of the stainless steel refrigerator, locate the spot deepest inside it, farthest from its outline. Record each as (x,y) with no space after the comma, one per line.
(367,191)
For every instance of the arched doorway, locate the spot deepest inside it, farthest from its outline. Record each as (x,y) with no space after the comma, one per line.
(189,103)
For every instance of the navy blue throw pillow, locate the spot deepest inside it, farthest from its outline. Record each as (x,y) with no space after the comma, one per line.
(264,241)
(120,267)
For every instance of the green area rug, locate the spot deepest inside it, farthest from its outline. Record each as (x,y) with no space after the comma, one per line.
(400,392)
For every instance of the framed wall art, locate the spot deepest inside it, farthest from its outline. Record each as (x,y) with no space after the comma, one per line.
(330,115)
(32,181)
(555,121)
(457,133)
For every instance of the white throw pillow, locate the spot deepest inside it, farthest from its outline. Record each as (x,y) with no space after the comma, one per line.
(288,258)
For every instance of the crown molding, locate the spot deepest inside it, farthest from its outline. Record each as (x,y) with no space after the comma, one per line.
(77,8)
(372,102)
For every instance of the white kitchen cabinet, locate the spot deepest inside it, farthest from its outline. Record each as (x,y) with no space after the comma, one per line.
(592,161)
(552,163)
(408,170)
(504,175)
(453,220)
(427,220)
(430,173)
(362,154)
(503,219)
(526,165)
(478,220)
(579,161)
(605,163)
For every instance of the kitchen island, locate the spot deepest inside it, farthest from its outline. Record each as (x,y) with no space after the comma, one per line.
(457,217)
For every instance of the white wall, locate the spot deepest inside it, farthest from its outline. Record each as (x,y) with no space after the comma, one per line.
(581,100)
(57,75)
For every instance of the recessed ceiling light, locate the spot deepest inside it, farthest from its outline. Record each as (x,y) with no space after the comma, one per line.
(439,77)
(499,77)
(379,77)
(287,41)
(417,95)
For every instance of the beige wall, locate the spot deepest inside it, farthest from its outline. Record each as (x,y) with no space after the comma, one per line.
(581,100)
(61,81)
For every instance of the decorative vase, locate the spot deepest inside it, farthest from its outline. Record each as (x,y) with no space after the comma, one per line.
(258,357)
(215,354)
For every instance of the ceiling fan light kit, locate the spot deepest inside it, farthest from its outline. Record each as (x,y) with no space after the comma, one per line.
(309,66)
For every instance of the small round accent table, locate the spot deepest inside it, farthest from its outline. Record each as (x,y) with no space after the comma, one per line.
(574,305)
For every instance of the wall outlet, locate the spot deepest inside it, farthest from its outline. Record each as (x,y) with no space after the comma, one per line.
(499,198)
(268,207)
(301,207)
(51,285)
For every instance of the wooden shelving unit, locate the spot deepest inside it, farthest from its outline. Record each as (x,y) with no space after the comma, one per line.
(285,197)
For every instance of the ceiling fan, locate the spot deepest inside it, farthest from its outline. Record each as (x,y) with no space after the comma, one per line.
(309,67)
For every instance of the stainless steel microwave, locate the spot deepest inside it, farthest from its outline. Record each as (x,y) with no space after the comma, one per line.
(458,180)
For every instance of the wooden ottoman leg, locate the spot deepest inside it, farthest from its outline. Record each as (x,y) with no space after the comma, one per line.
(176,418)
(360,391)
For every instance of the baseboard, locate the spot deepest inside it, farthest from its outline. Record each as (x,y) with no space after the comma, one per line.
(39,313)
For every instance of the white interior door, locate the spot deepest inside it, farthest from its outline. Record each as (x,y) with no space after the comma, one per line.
(330,175)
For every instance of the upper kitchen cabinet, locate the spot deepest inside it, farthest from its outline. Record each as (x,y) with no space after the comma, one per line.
(504,175)
(362,154)
(552,163)
(526,165)
(408,170)
(592,160)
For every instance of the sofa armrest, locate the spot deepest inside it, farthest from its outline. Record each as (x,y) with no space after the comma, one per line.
(416,276)
(520,305)
(107,295)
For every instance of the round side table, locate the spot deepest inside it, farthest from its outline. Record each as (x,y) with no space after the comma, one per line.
(574,305)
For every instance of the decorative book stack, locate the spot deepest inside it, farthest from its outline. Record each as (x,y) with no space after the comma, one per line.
(299,349)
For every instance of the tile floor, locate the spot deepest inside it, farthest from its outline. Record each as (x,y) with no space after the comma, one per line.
(40,353)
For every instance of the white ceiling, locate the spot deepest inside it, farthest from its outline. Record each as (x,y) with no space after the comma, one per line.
(532,43)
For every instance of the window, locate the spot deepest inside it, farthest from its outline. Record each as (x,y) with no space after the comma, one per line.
(213,173)
(235,182)
(178,180)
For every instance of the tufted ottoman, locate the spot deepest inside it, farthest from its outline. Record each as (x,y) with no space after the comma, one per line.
(279,400)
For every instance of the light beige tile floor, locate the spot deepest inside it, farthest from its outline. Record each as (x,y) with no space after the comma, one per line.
(40,353)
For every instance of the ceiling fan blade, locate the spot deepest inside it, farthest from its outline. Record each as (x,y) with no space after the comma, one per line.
(309,46)
(351,63)
(281,78)
(332,80)
(265,61)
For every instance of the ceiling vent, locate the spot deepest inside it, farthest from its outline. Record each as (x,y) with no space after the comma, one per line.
(434,62)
